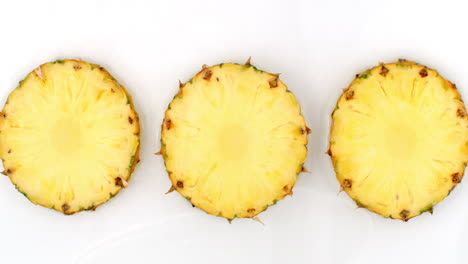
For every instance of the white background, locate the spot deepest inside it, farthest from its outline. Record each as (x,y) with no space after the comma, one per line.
(318,46)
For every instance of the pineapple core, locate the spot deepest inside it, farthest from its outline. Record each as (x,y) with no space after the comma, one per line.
(233,143)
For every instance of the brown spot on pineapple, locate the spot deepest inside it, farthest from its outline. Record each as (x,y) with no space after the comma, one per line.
(65,207)
(397,197)
(168,124)
(460,113)
(431,210)
(404,214)
(180,184)
(207,75)
(401,60)
(9,171)
(456,177)
(9,151)
(347,184)
(423,73)
(112,90)
(328,152)
(454,86)
(180,85)
(286,188)
(230,221)
(118,181)
(383,71)
(250,210)
(357,75)
(77,67)
(217,79)
(4,115)
(304,131)
(274,82)
(121,182)
(303,169)
(101,68)
(130,120)
(349,95)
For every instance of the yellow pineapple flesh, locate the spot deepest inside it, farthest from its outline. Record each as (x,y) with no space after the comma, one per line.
(69,136)
(399,139)
(233,140)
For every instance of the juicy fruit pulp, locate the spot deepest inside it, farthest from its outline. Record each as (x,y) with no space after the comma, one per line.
(69,136)
(233,140)
(399,139)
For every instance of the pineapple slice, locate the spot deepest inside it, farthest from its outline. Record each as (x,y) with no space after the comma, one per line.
(69,136)
(234,140)
(399,139)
